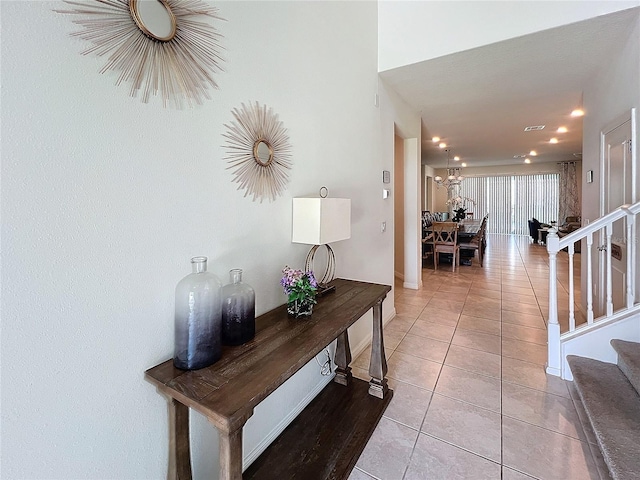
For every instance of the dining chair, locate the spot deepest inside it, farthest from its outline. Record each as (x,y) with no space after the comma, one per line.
(477,243)
(445,240)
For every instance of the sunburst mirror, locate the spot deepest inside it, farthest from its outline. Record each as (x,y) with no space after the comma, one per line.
(258,151)
(161,47)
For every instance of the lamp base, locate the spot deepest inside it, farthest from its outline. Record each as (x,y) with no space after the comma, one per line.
(329,272)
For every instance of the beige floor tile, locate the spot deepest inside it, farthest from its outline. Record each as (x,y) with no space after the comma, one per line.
(361,373)
(484,325)
(506,289)
(474,361)
(526,299)
(476,293)
(545,454)
(412,300)
(414,370)
(464,425)
(357,474)
(479,390)
(408,310)
(527,308)
(443,317)
(529,352)
(477,340)
(455,289)
(409,403)
(510,474)
(534,321)
(424,347)
(436,331)
(492,312)
(546,410)
(525,334)
(388,451)
(392,339)
(533,376)
(446,304)
(492,303)
(399,324)
(434,459)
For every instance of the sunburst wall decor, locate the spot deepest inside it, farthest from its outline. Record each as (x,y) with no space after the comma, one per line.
(258,151)
(178,64)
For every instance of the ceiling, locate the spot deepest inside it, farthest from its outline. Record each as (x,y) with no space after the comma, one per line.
(479,101)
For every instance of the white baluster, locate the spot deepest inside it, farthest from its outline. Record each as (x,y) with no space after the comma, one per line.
(572,318)
(589,279)
(609,284)
(630,254)
(553,328)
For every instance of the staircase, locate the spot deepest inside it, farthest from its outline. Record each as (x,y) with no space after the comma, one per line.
(610,396)
(584,323)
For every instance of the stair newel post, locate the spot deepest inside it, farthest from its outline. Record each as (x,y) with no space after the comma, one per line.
(553,328)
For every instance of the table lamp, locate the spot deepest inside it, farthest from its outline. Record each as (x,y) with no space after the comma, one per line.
(321,221)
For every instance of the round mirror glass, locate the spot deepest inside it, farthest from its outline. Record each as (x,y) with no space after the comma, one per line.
(262,152)
(154,18)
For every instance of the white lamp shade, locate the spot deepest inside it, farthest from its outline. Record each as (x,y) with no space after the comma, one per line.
(318,221)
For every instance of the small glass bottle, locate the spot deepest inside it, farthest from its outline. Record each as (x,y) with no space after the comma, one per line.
(198,318)
(238,310)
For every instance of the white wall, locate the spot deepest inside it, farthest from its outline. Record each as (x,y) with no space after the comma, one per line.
(396,119)
(609,95)
(413,31)
(105,199)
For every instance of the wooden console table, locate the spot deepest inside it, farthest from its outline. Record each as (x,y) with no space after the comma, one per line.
(227,391)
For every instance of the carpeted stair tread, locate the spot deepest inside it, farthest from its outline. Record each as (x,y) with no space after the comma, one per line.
(629,360)
(613,408)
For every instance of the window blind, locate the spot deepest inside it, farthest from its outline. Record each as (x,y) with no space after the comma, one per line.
(512,200)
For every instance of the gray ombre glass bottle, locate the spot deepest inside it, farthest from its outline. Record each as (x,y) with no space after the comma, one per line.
(238,310)
(198,319)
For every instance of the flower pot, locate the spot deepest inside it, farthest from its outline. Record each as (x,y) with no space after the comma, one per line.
(300,308)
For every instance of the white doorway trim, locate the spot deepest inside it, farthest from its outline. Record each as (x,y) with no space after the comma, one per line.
(412,215)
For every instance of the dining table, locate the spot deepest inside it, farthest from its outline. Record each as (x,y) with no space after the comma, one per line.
(467,229)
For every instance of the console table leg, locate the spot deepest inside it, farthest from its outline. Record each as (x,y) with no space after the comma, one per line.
(378,363)
(179,450)
(343,359)
(231,455)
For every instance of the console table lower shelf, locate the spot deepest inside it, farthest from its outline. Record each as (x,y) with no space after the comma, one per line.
(325,441)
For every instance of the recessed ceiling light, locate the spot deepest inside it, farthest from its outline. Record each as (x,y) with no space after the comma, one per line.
(562,130)
(463,164)
(456,158)
(578,112)
(435,139)
(533,128)
(527,160)
(553,140)
(533,153)
(443,145)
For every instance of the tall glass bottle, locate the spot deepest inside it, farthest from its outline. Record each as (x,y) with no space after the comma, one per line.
(238,310)
(198,319)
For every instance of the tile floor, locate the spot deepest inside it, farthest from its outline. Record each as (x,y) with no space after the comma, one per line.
(471,400)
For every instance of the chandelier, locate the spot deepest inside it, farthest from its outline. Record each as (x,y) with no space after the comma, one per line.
(453,177)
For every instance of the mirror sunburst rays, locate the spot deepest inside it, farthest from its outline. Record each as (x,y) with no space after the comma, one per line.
(257,123)
(179,69)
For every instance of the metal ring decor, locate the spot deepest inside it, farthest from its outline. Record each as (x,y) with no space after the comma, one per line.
(256,126)
(179,66)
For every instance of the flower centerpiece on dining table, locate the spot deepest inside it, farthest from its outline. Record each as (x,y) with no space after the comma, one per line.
(460,205)
(301,287)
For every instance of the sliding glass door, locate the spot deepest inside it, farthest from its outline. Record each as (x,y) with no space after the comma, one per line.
(512,200)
